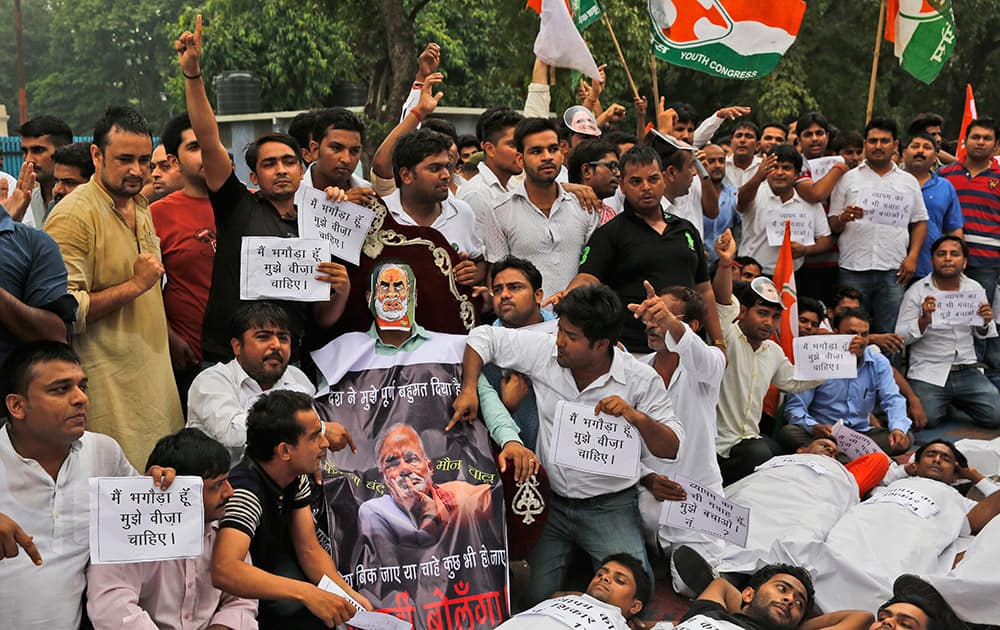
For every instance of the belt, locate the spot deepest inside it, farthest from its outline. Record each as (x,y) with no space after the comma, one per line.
(966,366)
(593,501)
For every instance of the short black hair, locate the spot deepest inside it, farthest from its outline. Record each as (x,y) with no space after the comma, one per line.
(531,126)
(335,118)
(271,421)
(776,125)
(300,127)
(258,314)
(694,305)
(641,155)
(765,573)
(76,154)
(856,313)
(523,265)
(882,124)
(685,112)
(787,153)
(950,237)
(746,123)
(55,128)
(983,122)
(743,261)
(170,137)
(414,147)
(618,137)
(643,584)
(811,305)
(812,118)
(849,293)
(443,127)
(749,298)
(467,140)
(596,309)
(960,457)
(922,135)
(253,149)
(922,121)
(850,138)
(495,121)
(584,153)
(669,154)
(16,373)
(190,452)
(125,118)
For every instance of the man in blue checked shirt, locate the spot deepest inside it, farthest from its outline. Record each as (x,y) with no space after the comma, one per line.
(813,412)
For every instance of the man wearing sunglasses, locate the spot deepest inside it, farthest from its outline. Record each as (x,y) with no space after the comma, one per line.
(594,163)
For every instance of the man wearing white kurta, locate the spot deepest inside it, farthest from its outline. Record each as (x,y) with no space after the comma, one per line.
(596,512)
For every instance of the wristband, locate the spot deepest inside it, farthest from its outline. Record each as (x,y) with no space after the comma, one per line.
(417,85)
(188,76)
(417,115)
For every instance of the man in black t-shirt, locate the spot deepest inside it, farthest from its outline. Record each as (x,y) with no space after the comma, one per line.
(276,170)
(777,597)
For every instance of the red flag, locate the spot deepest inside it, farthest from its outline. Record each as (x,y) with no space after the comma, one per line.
(784,280)
(534,5)
(968,114)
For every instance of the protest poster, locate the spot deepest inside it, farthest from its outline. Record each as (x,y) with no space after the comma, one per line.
(852,443)
(819,167)
(573,611)
(707,512)
(885,207)
(820,357)
(363,619)
(957,308)
(133,521)
(701,622)
(283,269)
(803,230)
(914,501)
(415,516)
(598,444)
(342,224)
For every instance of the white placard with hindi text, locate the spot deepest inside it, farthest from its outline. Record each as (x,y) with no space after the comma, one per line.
(707,512)
(779,461)
(819,357)
(853,443)
(803,230)
(573,611)
(886,207)
(363,619)
(819,167)
(957,308)
(595,443)
(916,502)
(283,269)
(343,224)
(133,521)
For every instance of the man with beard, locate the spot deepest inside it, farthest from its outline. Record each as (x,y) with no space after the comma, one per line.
(275,168)
(390,299)
(944,212)
(540,221)
(221,396)
(73,167)
(166,175)
(112,255)
(718,166)
(878,254)
(943,370)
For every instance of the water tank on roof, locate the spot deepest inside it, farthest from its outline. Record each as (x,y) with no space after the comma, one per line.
(237,92)
(348,94)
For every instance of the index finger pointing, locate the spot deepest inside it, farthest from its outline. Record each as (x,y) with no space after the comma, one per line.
(650,291)
(27,543)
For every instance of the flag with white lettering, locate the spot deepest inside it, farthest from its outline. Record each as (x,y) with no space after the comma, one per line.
(924,34)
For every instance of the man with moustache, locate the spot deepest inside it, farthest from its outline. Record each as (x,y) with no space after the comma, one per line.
(771,133)
(717,164)
(40,137)
(944,212)
(594,163)
(391,298)
(540,221)
(112,255)
(166,175)
(73,167)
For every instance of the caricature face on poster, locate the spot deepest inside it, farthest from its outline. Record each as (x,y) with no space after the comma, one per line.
(393,296)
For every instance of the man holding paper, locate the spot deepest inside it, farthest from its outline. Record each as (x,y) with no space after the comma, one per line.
(594,511)
(813,413)
(766,208)
(174,593)
(943,369)
(879,211)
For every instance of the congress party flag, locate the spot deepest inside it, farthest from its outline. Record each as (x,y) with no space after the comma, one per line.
(560,44)
(586,12)
(736,39)
(923,32)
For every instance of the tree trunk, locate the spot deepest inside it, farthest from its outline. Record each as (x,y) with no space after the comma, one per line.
(402,57)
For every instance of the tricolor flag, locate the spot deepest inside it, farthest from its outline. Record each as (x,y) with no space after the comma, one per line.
(784,280)
(924,34)
(736,39)
(559,43)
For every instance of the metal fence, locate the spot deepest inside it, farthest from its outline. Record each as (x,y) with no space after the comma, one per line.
(11,149)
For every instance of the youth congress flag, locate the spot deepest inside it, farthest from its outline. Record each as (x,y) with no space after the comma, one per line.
(736,39)
(924,34)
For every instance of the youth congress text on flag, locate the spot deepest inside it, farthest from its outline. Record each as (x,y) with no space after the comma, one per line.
(736,39)
(924,34)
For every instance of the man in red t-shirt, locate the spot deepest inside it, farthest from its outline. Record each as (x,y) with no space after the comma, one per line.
(186,227)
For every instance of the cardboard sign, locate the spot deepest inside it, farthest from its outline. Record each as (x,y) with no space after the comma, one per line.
(342,224)
(916,502)
(283,269)
(957,308)
(596,443)
(885,207)
(803,230)
(707,512)
(819,357)
(852,443)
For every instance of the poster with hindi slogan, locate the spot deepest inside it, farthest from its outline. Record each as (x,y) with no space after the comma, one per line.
(282,269)
(819,357)
(803,230)
(853,443)
(596,444)
(707,512)
(957,308)
(416,515)
(342,224)
(885,207)
(133,521)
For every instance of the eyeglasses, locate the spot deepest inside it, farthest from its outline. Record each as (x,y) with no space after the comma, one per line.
(614,167)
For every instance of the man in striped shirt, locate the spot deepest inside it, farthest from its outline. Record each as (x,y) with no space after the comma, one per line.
(977,181)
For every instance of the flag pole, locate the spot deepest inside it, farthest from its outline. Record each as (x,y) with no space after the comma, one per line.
(628,73)
(878,49)
(656,83)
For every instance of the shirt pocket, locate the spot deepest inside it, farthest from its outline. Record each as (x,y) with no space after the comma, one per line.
(79,513)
